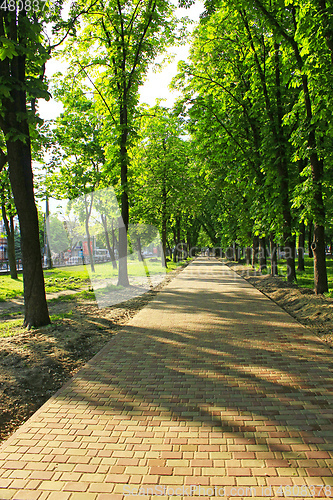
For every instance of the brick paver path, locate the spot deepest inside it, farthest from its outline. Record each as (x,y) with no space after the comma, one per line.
(211,390)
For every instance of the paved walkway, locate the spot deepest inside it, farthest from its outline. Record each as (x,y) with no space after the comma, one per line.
(211,390)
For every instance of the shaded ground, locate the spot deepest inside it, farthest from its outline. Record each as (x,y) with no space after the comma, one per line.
(35,364)
(313,311)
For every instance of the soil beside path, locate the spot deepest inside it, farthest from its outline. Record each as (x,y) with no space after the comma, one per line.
(35,364)
(210,386)
(312,311)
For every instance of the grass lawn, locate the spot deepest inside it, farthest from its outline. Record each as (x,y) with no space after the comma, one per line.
(305,278)
(75,277)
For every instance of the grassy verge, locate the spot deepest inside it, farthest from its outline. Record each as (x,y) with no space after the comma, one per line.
(75,277)
(304,278)
(56,280)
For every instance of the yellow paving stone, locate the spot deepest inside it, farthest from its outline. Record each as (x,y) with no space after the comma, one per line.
(52,485)
(231,386)
(171,480)
(83,496)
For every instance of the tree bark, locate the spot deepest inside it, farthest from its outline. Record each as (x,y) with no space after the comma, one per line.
(301,247)
(262,254)
(20,172)
(164,222)
(138,242)
(310,239)
(318,247)
(123,222)
(248,253)
(273,250)
(9,226)
(255,251)
(107,240)
(14,124)
(49,262)
(87,218)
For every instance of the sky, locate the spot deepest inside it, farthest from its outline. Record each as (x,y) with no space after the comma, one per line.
(156,85)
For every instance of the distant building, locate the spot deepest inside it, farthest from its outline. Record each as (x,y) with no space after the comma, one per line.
(3,243)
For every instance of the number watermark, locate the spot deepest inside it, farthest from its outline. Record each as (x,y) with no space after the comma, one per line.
(27,5)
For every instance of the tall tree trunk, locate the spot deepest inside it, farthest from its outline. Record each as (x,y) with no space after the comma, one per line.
(179,246)
(301,247)
(49,262)
(262,254)
(20,173)
(164,223)
(9,226)
(255,251)
(248,254)
(290,253)
(273,250)
(124,220)
(14,124)
(88,213)
(138,242)
(107,240)
(310,239)
(176,236)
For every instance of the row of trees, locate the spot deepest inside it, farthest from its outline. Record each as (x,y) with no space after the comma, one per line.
(111,45)
(258,93)
(244,155)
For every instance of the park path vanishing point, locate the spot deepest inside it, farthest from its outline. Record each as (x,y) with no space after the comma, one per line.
(211,390)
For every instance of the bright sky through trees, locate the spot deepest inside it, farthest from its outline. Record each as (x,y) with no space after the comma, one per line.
(156,86)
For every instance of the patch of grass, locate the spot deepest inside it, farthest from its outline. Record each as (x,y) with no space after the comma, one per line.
(10,289)
(65,278)
(10,314)
(58,317)
(174,265)
(305,278)
(76,277)
(11,327)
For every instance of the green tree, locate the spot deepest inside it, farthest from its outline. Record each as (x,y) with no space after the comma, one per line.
(78,158)
(161,185)
(114,47)
(8,213)
(294,26)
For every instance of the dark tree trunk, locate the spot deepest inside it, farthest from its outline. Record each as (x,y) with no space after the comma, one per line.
(123,224)
(88,213)
(138,242)
(318,247)
(290,253)
(255,251)
(164,223)
(20,172)
(319,244)
(273,250)
(14,124)
(176,234)
(301,247)
(9,225)
(310,239)
(248,254)
(174,253)
(107,240)
(262,254)
(49,262)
